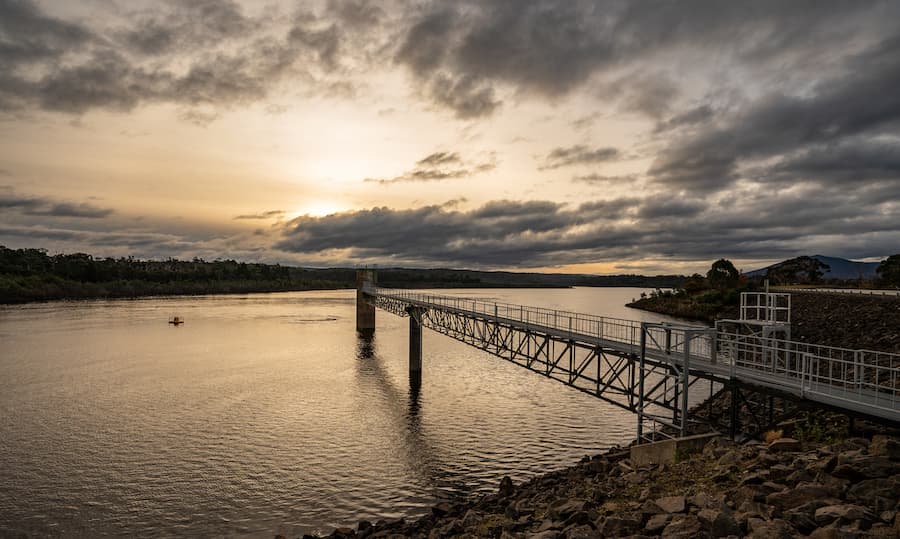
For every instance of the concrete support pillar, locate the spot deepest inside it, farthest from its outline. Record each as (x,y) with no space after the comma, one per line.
(415,343)
(365,310)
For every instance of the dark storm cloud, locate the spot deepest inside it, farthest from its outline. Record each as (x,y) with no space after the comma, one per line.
(747,224)
(850,162)
(40,206)
(578,155)
(551,47)
(439,166)
(206,53)
(861,105)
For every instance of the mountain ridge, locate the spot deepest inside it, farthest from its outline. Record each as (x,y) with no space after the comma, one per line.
(839,268)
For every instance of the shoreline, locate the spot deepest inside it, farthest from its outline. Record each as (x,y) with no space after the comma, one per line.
(826,482)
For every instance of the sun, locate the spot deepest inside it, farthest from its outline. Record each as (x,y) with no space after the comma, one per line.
(320,208)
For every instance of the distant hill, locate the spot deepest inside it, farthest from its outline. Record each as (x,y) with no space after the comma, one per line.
(839,268)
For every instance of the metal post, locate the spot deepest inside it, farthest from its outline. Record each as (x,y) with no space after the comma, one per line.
(415,342)
(734,410)
(365,309)
(685,383)
(640,396)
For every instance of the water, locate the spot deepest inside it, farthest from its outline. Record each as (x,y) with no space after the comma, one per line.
(266,414)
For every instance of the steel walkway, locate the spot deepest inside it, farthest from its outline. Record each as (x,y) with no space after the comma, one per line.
(650,368)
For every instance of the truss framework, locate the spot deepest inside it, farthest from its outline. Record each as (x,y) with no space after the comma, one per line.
(657,390)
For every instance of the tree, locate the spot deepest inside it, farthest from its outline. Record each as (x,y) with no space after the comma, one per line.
(800,270)
(889,270)
(723,274)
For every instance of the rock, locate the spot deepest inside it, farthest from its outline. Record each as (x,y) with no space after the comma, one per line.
(862,467)
(775,529)
(471,518)
(650,508)
(577,519)
(580,532)
(621,524)
(548,524)
(885,446)
(657,522)
(754,510)
(506,487)
(802,520)
(441,509)
(549,534)
(755,479)
(363,525)
(747,493)
(563,509)
(729,459)
(682,526)
(671,504)
(876,494)
(719,523)
(784,445)
(793,497)
(842,513)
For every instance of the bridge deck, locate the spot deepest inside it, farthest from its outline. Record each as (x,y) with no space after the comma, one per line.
(861,381)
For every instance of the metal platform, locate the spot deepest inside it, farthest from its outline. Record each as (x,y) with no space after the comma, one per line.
(653,369)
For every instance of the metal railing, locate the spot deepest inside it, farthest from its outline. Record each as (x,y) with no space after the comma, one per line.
(863,376)
(867,378)
(623,332)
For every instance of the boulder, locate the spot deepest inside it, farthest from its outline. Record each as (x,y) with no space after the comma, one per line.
(843,513)
(885,446)
(682,527)
(441,509)
(656,523)
(563,509)
(580,532)
(774,529)
(785,445)
(719,523)
(549,534)
(506,487)
(862,467)
(671,504)
(876,494)
(622,524)
(801,494)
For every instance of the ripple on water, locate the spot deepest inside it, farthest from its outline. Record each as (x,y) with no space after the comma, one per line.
(263,415)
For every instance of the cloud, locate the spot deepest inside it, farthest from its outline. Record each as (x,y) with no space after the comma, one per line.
(207,53)
(600,179)
(550,48)
(45,207)
(578,155)
(837,110)
(745,224)
(439,166)
(259,216)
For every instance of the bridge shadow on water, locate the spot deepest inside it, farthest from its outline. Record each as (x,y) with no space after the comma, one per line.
(403,408)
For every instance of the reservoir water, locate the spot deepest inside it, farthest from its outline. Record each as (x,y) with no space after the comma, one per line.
(265,414)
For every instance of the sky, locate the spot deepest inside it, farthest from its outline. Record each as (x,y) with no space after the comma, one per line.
(566,136)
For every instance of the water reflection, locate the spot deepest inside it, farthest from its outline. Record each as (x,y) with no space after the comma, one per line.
(405,420)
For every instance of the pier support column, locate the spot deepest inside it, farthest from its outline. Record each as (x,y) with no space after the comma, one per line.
(415,343)
(365,310)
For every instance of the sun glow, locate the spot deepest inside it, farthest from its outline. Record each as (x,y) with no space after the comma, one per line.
(319,208)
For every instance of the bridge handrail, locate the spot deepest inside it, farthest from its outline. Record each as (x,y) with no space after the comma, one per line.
(615,329)
(862,376)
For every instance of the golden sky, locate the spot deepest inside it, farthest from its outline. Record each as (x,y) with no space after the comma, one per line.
(608,137)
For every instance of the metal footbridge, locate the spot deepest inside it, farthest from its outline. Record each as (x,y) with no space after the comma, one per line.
(659,371)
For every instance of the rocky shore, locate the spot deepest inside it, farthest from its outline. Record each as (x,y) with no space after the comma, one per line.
(823,485)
